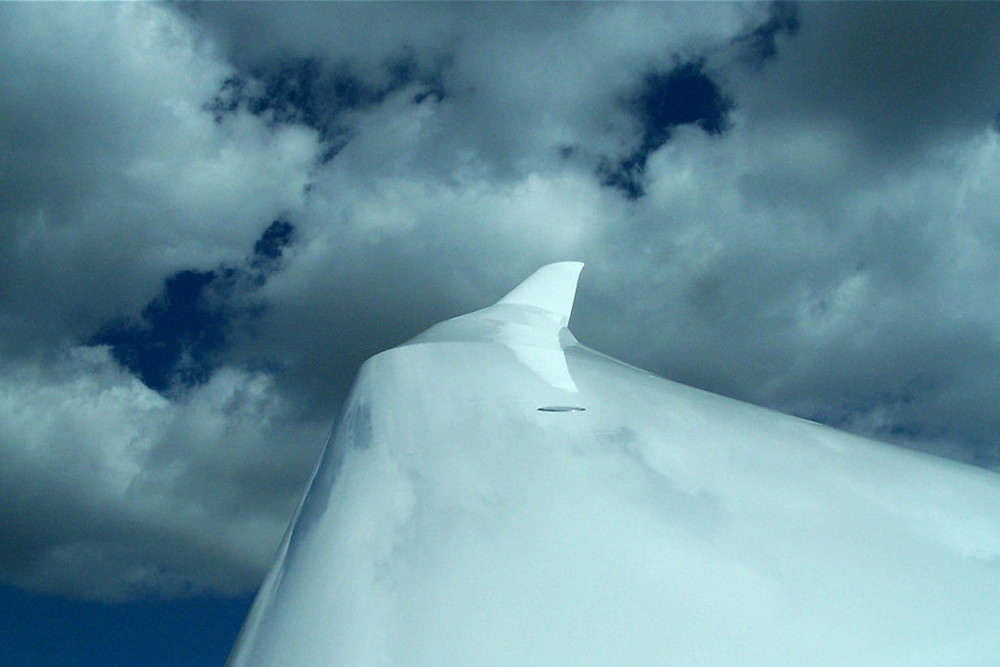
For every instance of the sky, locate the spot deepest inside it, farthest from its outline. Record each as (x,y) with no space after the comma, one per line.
(211,214)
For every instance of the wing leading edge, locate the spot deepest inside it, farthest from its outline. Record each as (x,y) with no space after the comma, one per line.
(458,517)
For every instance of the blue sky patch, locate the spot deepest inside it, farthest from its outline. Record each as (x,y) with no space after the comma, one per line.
(177,337)
(683,95)
(311,92)
(183,332)
(760,44)
(43,630)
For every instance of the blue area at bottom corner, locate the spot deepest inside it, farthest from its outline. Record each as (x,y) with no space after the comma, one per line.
(38,631)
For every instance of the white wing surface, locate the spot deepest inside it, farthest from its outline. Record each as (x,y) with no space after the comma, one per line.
(497,494)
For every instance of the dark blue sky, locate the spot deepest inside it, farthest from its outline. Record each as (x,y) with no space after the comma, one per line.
(181,334)
(43,630)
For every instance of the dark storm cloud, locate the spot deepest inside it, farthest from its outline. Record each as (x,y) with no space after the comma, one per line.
(897,76)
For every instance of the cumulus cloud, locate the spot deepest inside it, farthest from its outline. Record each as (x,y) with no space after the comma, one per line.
(115,178)
(864,308)
(113,168)
(112,491)
(212,214)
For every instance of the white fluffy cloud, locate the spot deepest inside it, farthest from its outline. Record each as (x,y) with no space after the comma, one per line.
(112,491)
(114,176)
(113,168)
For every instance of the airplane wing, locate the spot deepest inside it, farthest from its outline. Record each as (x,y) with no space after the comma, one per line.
(496,493)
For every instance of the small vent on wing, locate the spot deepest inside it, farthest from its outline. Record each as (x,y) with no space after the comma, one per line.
(561,408)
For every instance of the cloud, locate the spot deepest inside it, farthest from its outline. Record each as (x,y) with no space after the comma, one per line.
(212,214)
(685,95)
(518,82)
(855,301)
(115,180)
(113,168)
(112,491)
(894,79)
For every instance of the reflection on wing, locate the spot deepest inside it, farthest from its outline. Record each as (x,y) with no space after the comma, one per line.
(497,494)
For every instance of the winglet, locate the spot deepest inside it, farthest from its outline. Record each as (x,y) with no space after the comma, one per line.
(536,313)
(551,288)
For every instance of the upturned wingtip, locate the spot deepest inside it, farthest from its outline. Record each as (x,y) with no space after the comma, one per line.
(551,288)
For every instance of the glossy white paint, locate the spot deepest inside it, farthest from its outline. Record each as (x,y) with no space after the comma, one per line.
(453,522)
